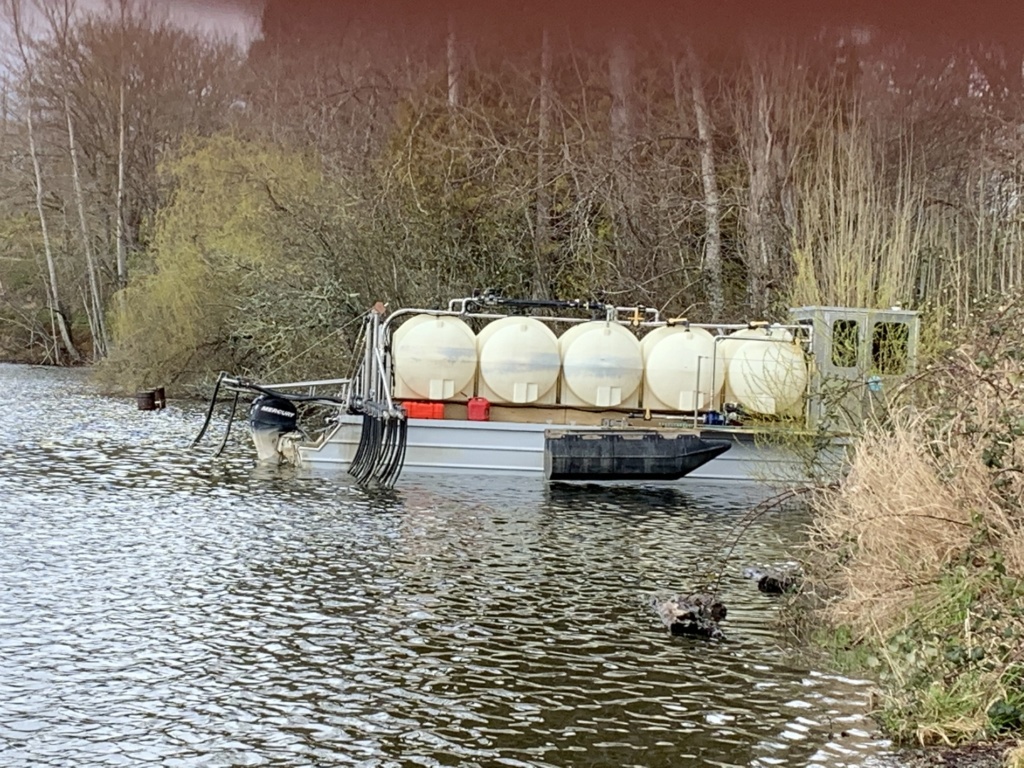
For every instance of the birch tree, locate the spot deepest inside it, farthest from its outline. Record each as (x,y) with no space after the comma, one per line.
(453,62)
(119,233)
(712,260)
(759,147)
(620,84)
(15,15)
(542,216)
(58,15)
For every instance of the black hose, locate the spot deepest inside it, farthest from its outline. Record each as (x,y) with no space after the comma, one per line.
(383,450)
(403,443)
(359,470)
(380,453)
(384,430)
(376,443)
(364,439)
(396,446)
(394,468)
(227,431)
(295,398)
(365,466)
(209,411)
(391,446)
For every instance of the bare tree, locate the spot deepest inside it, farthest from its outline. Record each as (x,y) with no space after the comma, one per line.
(620,82)
(136,84)
(454,63)
(709,181)
(14,11)
(759,148)
(59,15)
(119,234)
(542,220)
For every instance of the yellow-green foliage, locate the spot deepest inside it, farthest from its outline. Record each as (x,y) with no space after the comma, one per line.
(859,235)
(24,317)
(21,250)
(226,239)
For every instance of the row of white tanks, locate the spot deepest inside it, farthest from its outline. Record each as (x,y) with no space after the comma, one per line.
(520,360)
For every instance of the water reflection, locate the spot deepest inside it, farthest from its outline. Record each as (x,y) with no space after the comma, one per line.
(159,606)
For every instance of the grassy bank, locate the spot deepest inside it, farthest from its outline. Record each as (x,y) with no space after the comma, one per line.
(916,560)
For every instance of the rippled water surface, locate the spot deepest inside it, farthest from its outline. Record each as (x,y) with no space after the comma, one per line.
(162,607)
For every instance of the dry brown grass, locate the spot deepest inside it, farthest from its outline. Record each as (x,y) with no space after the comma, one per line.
(888,531)
(919,554)
(908,509)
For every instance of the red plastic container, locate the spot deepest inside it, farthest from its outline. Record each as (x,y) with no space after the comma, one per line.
(421,410)
(479,409)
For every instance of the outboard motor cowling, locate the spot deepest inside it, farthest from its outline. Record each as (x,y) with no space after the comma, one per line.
(269,418)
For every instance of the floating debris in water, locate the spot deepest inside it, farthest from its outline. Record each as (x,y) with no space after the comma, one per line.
(695,615)
(777,580)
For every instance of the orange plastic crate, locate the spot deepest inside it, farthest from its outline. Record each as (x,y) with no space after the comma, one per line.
(423,410)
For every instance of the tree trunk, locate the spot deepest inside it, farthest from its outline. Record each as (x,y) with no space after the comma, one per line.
(709,181)
(96,322)
(758,215)
(59,17)
(620,77)
(542,224)
(57,315)
(454,67)
(119,233)
(620,82)
(56,310)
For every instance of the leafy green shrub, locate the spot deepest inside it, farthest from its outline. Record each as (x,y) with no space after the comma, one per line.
(243,280)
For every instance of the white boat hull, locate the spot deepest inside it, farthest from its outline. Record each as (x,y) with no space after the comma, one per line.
(436,446)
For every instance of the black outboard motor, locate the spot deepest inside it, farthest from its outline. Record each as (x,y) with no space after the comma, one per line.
(269,418)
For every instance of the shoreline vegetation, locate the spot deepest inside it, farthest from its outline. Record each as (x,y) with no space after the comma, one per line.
(915,560)
(175,206)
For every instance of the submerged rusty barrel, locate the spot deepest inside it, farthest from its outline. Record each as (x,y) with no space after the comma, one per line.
(151,399)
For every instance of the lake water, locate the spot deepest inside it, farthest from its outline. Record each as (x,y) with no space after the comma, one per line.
(163,607)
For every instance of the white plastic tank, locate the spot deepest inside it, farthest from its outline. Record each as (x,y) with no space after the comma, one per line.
(435,358)
(767,373)
(729,345)
(519,361)
(683,369)
(602,366)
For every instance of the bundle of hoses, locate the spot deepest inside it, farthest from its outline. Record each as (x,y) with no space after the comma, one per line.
(381,451)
